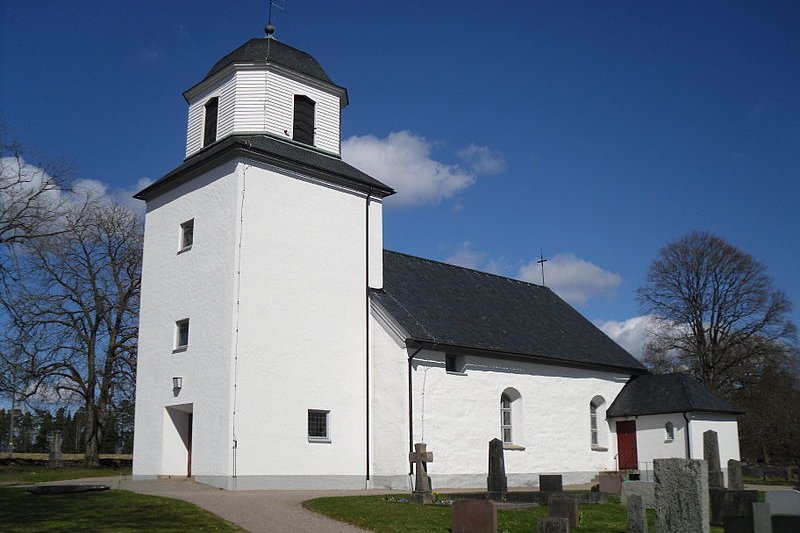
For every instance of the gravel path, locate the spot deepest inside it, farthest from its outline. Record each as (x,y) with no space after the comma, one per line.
(259,511)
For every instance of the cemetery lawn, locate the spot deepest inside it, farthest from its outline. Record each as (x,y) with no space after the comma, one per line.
(115,510)
(33,473)
(381,514)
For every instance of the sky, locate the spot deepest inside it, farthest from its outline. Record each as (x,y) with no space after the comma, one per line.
(591,132)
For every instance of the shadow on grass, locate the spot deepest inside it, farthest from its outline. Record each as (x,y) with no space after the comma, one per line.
(104,511)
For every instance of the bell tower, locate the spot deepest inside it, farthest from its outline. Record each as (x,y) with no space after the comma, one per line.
(259,253)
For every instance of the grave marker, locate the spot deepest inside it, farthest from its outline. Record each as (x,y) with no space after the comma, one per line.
(422,486)
(711,455)
(637,516)
(681,495)
(496,482)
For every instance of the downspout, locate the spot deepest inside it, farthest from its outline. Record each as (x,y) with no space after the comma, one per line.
(688,440)
(411,411)
(366,323)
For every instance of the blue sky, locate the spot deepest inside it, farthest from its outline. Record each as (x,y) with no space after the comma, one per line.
(594,131)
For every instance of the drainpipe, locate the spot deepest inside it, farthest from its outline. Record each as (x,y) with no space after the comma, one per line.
(688,440)
(366,321)
(411,411)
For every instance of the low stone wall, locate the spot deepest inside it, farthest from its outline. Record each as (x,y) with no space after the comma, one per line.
(583,496)
(125,459)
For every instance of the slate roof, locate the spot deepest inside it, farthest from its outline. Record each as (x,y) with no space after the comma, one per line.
(451,306)
(274,51)
(268,149)
(667,393)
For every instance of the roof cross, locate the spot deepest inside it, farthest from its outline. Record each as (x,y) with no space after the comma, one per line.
(542,261)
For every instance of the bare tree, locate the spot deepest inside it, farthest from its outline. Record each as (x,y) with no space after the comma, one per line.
(82,295)
(716,312)
(31,202)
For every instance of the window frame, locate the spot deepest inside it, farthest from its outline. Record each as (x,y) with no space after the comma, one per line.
(455,364)
(210,126)
(299,134)
(178,346)
(506,408)
(183,247)
(327,418)
(593,428)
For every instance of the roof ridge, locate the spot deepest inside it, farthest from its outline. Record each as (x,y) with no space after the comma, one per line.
(507,278)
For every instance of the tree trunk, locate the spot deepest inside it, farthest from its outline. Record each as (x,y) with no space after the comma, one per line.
(92,436)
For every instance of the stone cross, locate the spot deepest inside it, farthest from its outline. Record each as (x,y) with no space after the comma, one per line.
(496,483)
(711,455)
(422,485)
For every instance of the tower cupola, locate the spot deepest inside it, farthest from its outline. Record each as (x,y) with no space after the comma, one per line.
(266,87)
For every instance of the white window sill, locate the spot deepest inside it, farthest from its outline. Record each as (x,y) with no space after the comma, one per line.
(180,349)
(319,439)
(596,448)
(669,441)
(509,446)
(182,250)
(454,373)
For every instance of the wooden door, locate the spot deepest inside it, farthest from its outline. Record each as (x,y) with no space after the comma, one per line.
(627,457)
(189,445)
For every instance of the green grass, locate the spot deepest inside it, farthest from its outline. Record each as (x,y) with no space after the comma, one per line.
(33,473)
(117,511)
(377,514)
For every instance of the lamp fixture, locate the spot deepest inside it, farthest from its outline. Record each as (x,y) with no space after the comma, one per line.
(177,382)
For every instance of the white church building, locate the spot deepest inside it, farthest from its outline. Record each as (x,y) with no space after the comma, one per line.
(281,346)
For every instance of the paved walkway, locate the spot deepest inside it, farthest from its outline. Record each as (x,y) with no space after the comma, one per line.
(259,511)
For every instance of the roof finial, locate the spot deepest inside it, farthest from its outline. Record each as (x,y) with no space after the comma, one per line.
(542,261)
(270,29)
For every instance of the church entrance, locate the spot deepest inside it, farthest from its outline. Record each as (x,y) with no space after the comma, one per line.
(626,445)
(177,451)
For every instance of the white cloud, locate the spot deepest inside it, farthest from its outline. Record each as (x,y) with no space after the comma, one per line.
(465,256)
(403,161)
(574,279)
(631,334)
(482,160)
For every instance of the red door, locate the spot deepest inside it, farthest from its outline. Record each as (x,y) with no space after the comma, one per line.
(189,446)
(626,445)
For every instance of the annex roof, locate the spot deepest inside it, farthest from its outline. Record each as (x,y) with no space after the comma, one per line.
(266,148)
(667,393)
(458,308)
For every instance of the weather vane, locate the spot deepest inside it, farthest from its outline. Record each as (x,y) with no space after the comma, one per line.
(542,261)
(270,29)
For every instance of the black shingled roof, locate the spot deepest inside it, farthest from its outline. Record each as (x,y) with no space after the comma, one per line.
(274,51)
(451,306)
(268,149)
(667,393)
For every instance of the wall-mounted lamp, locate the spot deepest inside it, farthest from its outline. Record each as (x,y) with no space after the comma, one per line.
(177,383)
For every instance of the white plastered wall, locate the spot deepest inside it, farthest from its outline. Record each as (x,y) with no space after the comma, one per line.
(196,284)
(457,415)
(301,323)
(651,438)
(727,429)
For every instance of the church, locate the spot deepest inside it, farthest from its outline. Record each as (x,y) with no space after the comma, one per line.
(281,346)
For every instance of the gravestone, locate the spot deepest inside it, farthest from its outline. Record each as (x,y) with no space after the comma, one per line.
(474,516)
(496,483)
(726,503)
(738,524)
(609,482)
(785,510)
(735,475)
(552,525)
(55,460)
(561,506)
(550,483)
(762,518)
(422,486)
(637,516)
(645,489)
(681,495)
(716,479)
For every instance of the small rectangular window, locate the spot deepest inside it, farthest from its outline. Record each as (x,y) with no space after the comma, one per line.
(187,235)
(318,427)
(181,335)
(454,363)
(210,126)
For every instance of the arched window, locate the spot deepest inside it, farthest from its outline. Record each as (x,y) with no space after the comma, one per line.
(596,416)
(669,429)
(510,416)
(505,418)
(210,127)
